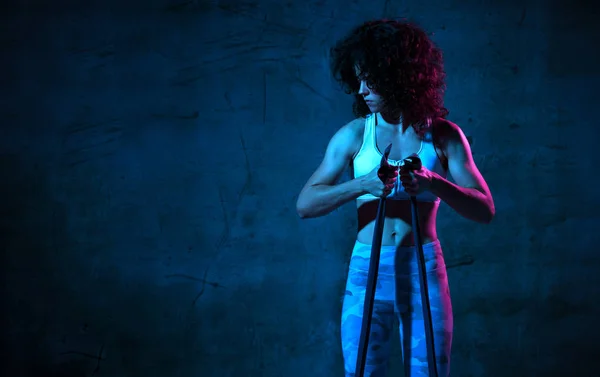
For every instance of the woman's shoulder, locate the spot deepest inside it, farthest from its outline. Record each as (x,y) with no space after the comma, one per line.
(354,129)
(444,130)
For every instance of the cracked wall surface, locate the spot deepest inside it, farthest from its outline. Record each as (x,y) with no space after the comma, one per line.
(152,153)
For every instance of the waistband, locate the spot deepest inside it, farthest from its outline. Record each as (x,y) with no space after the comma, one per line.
(428,246)
(392,258)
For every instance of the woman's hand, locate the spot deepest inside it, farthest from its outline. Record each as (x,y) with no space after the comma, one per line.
(380,181)
(415,181)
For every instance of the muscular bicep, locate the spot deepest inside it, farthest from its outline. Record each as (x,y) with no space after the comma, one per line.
(329,171)
(461,165)
(336,160)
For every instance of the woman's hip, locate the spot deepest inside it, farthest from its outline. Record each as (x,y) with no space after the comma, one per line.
(397,260)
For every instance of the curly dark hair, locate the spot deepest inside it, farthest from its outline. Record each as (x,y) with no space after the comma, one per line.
(399,62)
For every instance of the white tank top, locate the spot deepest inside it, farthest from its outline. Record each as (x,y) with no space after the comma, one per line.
(369,156)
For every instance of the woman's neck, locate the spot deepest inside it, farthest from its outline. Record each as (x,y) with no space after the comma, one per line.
(393,121)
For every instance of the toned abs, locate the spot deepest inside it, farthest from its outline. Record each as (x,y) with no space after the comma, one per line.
(397,228)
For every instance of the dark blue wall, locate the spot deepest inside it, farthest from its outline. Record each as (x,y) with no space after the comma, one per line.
(152,152)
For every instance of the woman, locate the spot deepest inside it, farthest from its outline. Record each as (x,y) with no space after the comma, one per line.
(397,77)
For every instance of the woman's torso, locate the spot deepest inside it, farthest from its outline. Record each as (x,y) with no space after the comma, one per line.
(397,229)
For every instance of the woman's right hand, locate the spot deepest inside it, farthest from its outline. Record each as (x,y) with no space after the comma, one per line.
(380,181)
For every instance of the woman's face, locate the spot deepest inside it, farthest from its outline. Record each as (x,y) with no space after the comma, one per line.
(371,98)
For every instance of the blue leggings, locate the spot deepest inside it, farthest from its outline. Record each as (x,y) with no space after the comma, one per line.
(397,297)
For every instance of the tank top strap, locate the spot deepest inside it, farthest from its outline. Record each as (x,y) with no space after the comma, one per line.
(369,138)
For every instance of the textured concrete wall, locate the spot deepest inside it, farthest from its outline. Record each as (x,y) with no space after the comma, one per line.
(152,153)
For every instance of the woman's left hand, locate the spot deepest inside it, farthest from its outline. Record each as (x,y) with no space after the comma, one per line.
(415,181)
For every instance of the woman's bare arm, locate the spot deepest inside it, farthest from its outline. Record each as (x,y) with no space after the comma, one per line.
(321,194)
(470,196)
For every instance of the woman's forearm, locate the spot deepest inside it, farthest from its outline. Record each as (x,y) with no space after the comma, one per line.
(468,202)
(319,200)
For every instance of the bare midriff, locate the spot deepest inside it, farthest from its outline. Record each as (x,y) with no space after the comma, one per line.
(397,228)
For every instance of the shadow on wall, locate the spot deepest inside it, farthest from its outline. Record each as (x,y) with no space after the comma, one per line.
(64,319)
(33,244)
(574,28)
